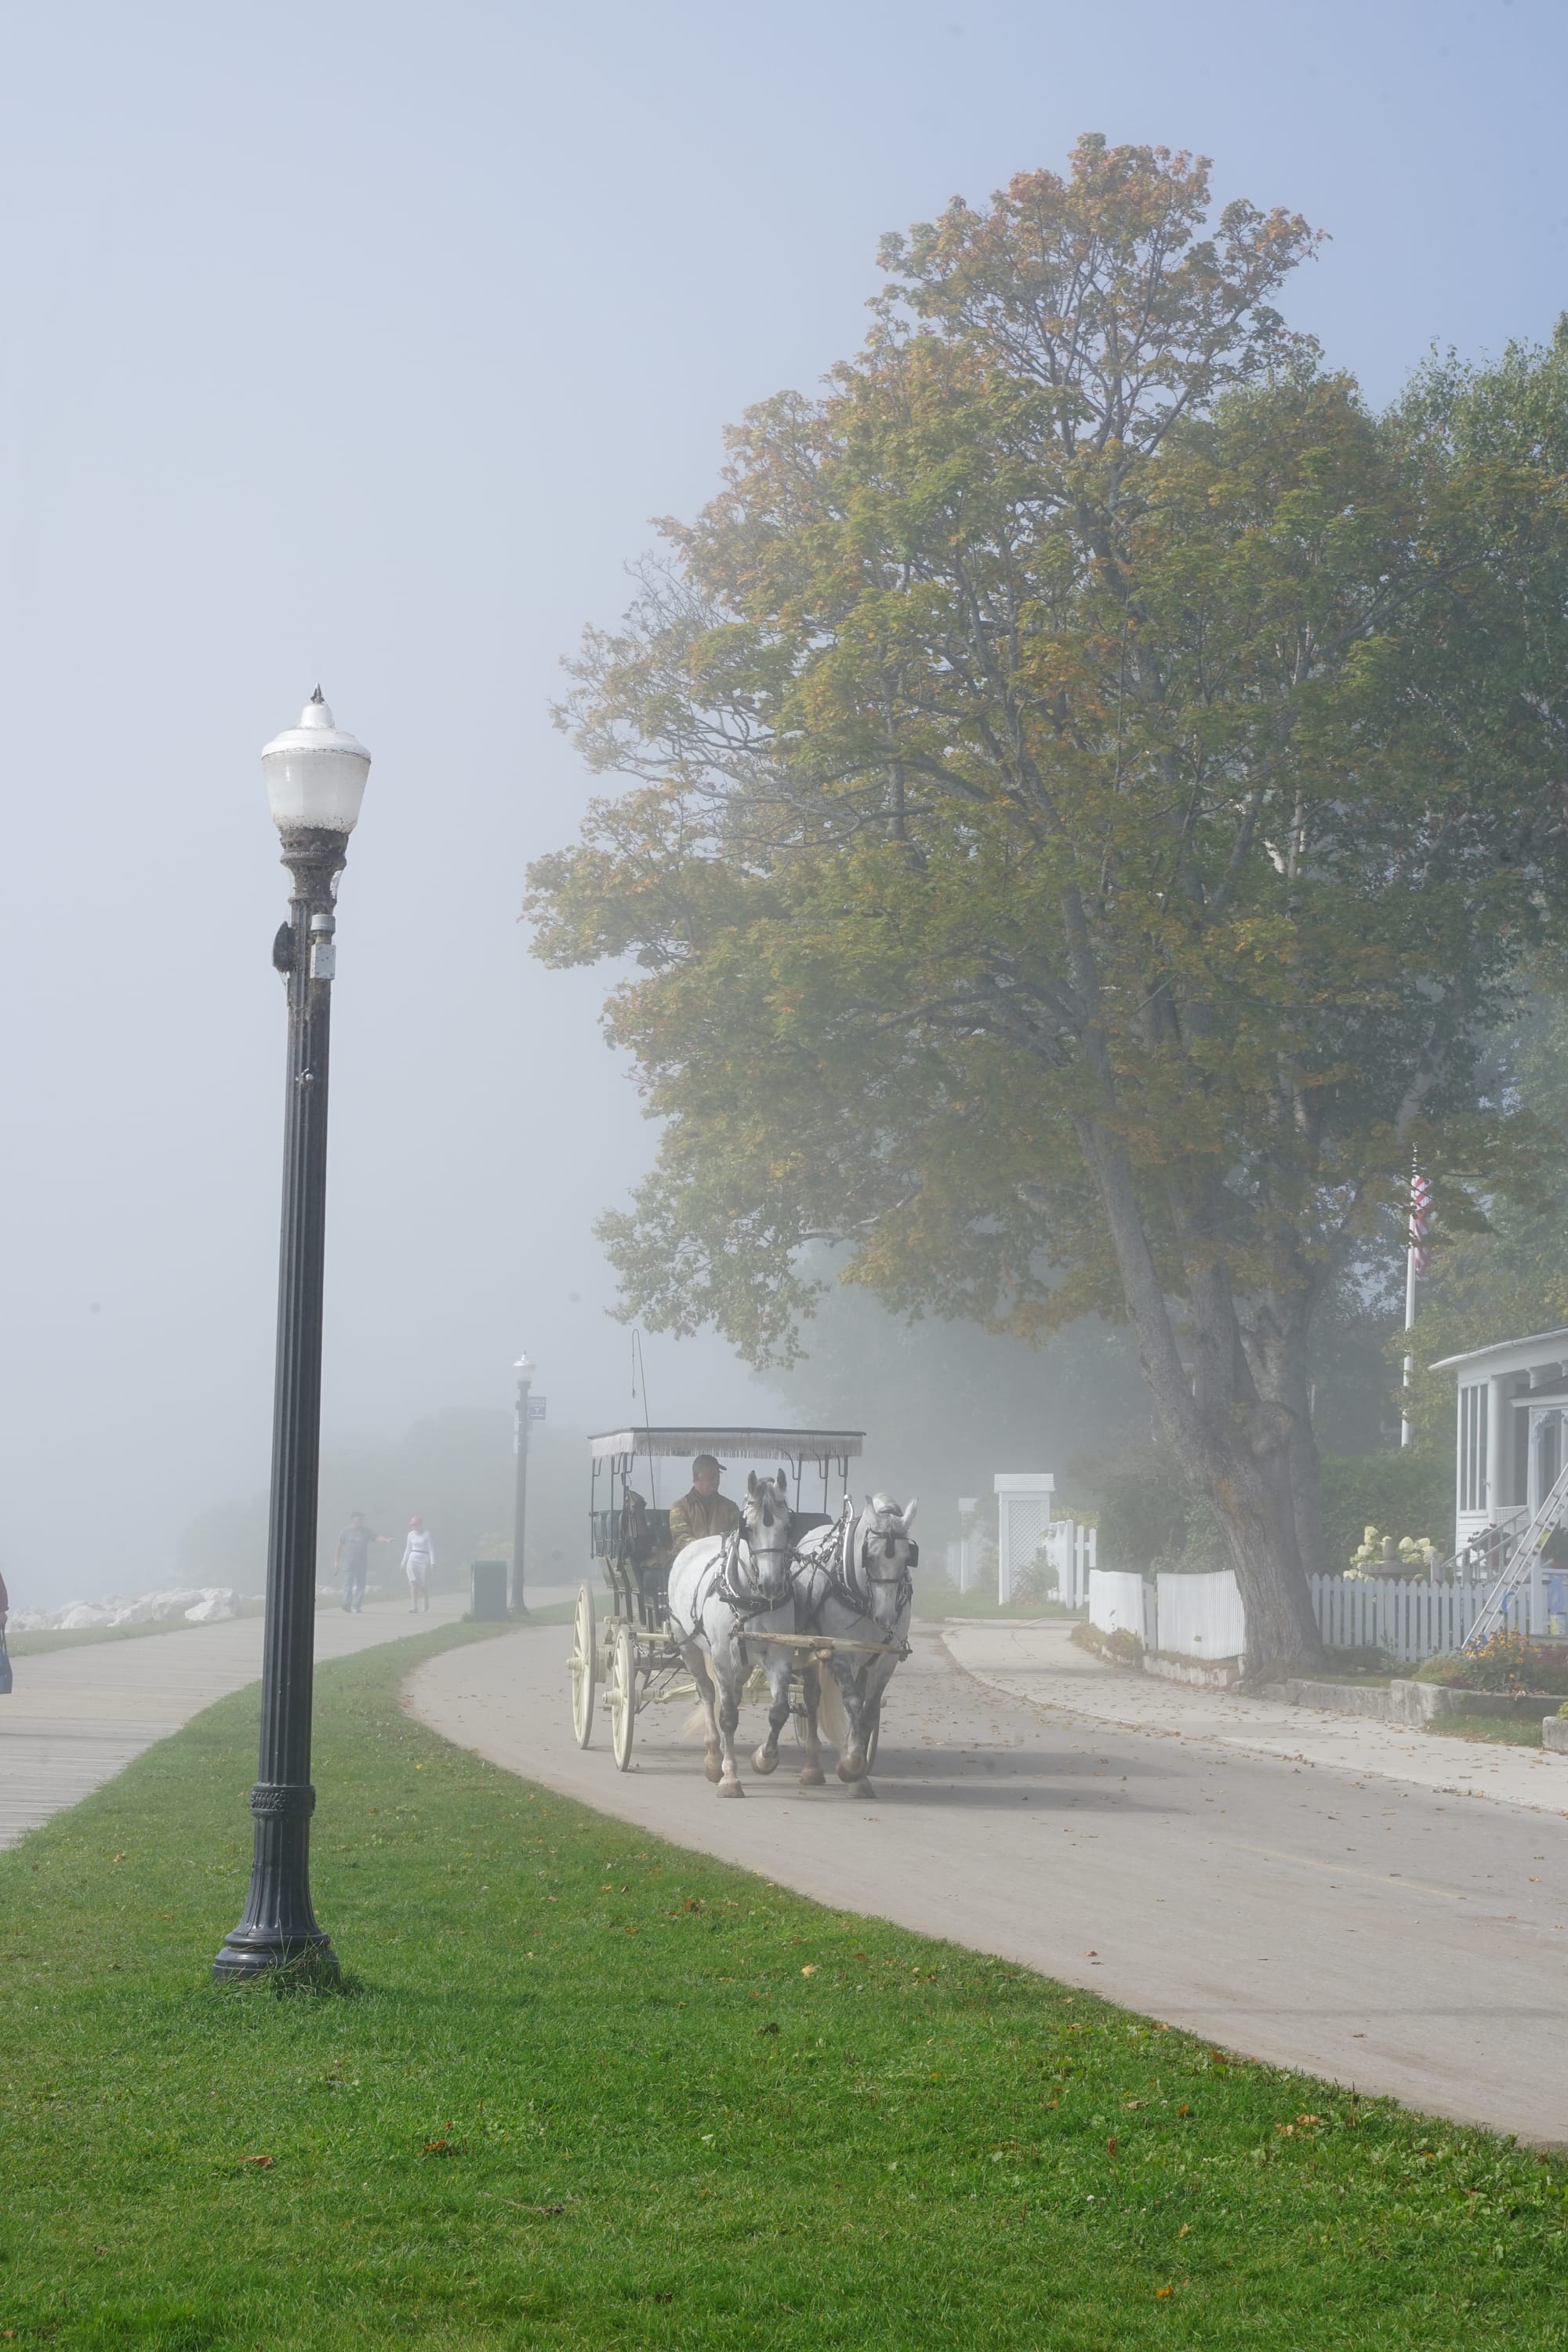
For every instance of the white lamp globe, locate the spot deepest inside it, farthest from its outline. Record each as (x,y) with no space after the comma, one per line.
(315,774)
(525,1368)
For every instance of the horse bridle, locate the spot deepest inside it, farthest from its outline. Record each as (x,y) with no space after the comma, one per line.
(902,1577)
(837,1566)
(749,1604)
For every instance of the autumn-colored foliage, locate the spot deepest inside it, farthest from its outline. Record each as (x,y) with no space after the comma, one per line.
(1090,785)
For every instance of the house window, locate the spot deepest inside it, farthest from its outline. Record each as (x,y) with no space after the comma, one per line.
(1473,1446)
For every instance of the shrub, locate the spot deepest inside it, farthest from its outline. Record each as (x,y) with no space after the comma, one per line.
(1123,1648)
(1508,1663)
(1146,1522)
(1401,1488)
(1502,1663)
(1378,1555)
(1035,1584)
(1142,1512)
(1447,1671)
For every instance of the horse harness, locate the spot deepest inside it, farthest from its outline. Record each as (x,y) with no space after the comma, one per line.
(849,1540)
(735,1596)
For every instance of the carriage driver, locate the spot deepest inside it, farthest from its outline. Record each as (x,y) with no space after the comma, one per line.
(704,1511)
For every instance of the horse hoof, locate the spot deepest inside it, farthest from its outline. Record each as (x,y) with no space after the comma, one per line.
(711,1769)
(848,1771)
(731,1789)
(762,1762)
(814,1777)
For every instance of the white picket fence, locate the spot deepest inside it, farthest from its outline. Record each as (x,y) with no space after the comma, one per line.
(1119,1603)
(1070,1548)
(962,1569)
(1405,1615)
(1201,1616)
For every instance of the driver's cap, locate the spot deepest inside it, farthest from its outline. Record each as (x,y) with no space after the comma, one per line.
(706,1462)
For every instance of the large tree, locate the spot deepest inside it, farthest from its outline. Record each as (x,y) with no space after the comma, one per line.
(1082,817)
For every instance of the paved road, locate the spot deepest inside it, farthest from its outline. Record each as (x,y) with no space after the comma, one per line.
(1319,1909)
(76,1717)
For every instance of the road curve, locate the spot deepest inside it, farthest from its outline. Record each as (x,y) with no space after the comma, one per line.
(1400,1937)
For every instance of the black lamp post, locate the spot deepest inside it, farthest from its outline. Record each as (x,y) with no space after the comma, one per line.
(517,1596)
(315,780)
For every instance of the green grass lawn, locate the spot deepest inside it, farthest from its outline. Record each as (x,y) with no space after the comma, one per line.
(588,2090)
(1504,1730)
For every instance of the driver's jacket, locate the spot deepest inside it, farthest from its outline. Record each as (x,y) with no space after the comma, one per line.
(701,1514)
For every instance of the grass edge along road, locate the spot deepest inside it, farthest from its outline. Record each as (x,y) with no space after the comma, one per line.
(586,2090)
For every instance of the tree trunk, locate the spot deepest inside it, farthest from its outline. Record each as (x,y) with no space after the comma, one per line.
(1234,1449)
(1310,1540)
(1276,1353)
(1281,1625)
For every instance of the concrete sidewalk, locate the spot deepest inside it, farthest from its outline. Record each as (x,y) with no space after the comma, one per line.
(79,1716)
(1042,1665)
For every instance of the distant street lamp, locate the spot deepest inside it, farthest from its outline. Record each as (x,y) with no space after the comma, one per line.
(315,780)
(516,1599)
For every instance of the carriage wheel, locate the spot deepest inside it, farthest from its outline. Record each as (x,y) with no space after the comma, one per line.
(584,1666)
(621,1696)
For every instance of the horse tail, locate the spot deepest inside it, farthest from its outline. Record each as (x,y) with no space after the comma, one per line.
(830,1715)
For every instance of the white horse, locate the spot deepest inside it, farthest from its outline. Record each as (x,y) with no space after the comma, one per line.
(853,1582)
(727,1594)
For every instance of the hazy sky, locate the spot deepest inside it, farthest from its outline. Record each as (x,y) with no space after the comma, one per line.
(358,342)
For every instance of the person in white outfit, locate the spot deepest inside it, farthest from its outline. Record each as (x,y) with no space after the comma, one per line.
(419,1559)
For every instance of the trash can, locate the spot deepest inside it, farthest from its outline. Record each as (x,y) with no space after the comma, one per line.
(487,1591)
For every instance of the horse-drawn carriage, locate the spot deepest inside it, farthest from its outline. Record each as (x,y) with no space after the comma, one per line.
(643,1656)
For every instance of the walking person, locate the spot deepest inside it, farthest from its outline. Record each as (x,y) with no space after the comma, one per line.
(419,1559)
(354,1548)
(5,1654)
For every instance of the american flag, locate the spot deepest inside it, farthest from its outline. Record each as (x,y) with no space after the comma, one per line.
(1420,1219)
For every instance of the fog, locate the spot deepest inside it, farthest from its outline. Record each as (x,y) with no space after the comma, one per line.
(358,343)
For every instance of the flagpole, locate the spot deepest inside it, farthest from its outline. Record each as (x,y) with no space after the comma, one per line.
(1405,1432)
(1415,1264)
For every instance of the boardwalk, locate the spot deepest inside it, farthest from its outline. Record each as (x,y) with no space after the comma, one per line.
(78,1716)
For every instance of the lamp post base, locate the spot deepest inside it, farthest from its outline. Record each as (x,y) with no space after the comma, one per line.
(246,1955)
(279,1929)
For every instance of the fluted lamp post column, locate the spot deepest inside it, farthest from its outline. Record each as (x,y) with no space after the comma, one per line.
(516,1593)
(315,776)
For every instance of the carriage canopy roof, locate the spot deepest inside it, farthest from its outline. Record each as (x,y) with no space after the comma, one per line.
(744,1444)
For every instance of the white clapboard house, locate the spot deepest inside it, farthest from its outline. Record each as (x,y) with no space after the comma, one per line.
(1511,1401)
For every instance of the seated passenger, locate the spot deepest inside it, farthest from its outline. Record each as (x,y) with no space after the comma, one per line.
(704,1511)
